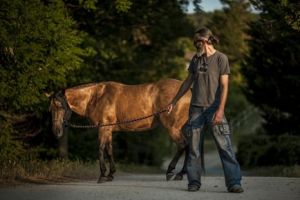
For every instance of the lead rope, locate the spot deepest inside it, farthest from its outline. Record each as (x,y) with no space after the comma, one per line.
(66,123)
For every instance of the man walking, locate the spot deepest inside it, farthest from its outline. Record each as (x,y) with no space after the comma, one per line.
(209,73)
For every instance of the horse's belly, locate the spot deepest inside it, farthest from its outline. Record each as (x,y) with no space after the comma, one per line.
(141,125)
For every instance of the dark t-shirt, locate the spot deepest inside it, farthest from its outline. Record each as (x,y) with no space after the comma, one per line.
(206,74)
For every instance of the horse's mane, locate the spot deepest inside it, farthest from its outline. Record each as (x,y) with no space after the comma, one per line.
(82,86)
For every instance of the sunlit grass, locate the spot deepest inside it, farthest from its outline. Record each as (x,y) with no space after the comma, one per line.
(37,171)
(43,171)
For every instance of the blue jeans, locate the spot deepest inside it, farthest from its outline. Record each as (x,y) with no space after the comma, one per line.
(199,118)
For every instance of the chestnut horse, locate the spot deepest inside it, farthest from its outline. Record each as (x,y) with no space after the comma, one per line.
(109,102)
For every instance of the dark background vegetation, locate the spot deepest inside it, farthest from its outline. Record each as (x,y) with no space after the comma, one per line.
(47,45)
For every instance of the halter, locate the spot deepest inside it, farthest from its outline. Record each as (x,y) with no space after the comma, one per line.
(60,96)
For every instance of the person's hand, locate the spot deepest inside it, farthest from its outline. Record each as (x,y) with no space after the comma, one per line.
(218,117)
(170,107)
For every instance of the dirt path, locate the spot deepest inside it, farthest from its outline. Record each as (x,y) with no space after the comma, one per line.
(137,187)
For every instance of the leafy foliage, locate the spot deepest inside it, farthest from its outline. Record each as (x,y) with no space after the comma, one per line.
(10,150)
(135,46)
(39,47)
(264,150)
(272,82)
(271,69)
(230,25)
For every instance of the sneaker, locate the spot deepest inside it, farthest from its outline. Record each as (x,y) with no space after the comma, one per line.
(193,188)
(235,189)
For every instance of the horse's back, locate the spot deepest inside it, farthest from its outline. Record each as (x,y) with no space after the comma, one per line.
(157,94)
(165,88)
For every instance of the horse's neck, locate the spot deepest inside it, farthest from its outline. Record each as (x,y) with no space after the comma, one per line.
(78,98)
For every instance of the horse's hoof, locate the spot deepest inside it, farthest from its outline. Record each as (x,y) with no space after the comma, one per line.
(102,179)
(178,177)
(110,178)
(169,176)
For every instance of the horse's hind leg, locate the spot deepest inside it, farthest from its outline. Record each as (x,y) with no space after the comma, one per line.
(170,171)
(179,176)
(178,138)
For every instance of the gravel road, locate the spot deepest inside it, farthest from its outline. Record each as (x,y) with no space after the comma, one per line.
(141,186)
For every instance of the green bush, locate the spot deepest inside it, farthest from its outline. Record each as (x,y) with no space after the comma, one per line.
(143,148)
(10,150)
(263,150)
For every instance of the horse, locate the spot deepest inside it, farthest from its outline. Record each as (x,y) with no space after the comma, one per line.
(110,102)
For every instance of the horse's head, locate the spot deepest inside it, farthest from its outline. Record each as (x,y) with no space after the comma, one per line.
(60,113)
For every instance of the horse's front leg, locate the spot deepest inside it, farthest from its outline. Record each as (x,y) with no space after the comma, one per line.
(102,147)
(111,159)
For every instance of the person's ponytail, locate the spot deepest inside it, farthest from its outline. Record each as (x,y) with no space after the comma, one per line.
(206,33)
(213,39)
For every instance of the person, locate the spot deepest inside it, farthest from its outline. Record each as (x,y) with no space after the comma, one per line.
(209,74)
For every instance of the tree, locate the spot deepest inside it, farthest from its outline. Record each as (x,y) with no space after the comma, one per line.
(272,67)
(134,43)
(272,78)
(230,26)
(39,47)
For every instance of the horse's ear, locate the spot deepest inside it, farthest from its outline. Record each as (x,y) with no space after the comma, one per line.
(49,95)
(51,105)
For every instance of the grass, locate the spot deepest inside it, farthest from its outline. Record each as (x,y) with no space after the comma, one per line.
(37,171)
(276,171)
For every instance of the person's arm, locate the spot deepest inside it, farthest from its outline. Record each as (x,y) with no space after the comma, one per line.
(185,86)
(224,79)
